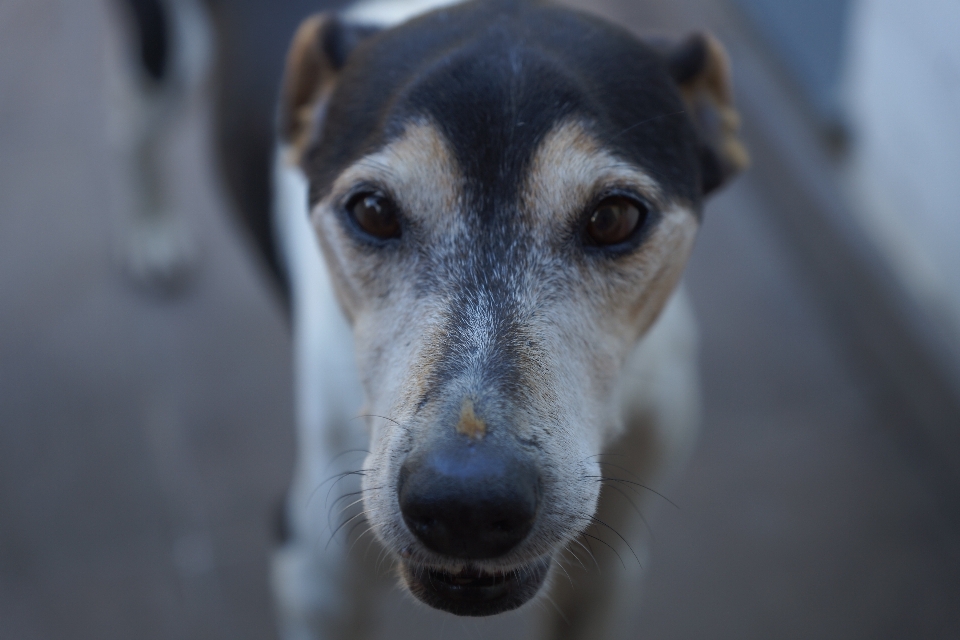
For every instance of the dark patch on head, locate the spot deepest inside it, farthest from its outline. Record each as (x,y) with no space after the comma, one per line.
(495,77)
(494,101)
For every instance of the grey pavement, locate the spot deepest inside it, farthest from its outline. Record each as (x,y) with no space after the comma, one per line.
(145,440)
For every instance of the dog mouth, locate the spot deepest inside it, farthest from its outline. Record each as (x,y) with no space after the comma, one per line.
(473,591)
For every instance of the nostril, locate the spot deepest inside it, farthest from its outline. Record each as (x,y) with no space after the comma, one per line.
(469,501)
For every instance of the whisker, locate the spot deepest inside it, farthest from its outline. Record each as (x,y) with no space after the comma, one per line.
(576,557)
(365,532)
(654,118)
(599,521)
(566,573)
(354,503)
(643,486)
(371,415)
(353,493)
(380,559)
(344,509)
(343,453)
(326,500)
(589,551)
(635,508)
(342,524)
(330,463)
(346,474)
(603,542)
(622,468)
(373,539)
(337,477)
(547,597)
(354,528)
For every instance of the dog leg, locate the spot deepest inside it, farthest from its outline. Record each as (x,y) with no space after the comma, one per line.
(156,72)
(320,593)
(321,589)
(599,586)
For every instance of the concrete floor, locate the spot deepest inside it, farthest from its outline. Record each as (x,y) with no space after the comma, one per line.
(143,441)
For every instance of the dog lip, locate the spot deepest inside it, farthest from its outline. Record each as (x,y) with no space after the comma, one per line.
(473,592)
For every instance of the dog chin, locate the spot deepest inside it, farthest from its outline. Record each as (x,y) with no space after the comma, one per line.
(475,592)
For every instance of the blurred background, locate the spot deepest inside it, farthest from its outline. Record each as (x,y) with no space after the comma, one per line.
(145,385)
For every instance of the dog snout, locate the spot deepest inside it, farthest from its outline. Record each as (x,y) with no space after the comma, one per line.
(469,500)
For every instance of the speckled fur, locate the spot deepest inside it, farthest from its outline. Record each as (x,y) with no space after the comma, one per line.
(604,352)
(578,318)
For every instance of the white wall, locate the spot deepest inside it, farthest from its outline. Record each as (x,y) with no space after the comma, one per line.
(902,93)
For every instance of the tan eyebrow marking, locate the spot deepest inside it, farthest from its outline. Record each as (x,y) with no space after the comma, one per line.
(569,167)
(419,170)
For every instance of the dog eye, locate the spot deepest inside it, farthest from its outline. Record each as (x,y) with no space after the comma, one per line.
(376,214)
(614,220)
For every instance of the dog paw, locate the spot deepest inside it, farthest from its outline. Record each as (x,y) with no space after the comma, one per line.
(160,255)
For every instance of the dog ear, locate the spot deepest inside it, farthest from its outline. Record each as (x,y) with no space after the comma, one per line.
(319,50)
(701,69)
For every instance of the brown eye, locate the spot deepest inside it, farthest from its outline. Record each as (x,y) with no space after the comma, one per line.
(376,214)
(614,220)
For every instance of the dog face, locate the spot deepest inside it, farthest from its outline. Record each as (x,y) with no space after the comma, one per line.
(505,195)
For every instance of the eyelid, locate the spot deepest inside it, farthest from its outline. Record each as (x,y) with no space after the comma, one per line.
(628,193)
(363,187)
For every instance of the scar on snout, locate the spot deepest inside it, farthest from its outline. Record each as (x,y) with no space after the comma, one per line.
(470,425)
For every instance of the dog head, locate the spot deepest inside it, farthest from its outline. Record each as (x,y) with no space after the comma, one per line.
(505,194)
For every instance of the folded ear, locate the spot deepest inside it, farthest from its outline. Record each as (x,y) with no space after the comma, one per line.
(319,50)
(701,68)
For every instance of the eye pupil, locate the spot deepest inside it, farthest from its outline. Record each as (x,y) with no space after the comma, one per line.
(605,220)
(376,215)
(614,220)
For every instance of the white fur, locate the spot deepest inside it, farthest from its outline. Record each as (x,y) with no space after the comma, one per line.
(306,579)
(662,376)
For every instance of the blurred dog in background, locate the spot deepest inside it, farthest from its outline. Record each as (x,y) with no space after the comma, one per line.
(479,217)
(168,52)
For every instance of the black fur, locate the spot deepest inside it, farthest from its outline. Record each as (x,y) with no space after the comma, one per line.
(252,41)
(495,76)
(687,60)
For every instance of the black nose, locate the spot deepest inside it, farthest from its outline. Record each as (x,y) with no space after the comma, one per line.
(469,500)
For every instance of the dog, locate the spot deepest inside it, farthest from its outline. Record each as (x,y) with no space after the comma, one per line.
(484,212)
(481,213)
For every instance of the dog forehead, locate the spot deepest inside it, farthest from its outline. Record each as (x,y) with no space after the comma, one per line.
(496,78)
(567,169)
